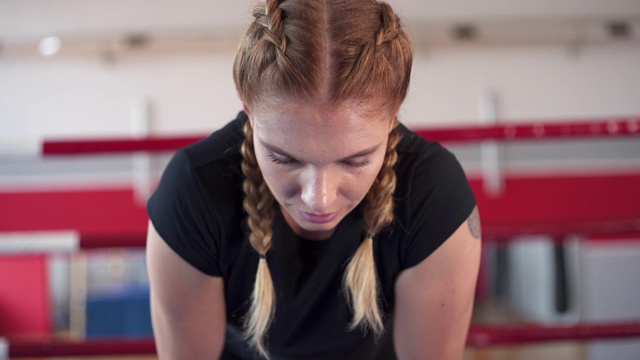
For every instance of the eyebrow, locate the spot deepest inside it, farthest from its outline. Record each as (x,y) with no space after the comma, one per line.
(361,153)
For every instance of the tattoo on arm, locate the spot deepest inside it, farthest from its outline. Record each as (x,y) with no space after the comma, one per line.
(474,223)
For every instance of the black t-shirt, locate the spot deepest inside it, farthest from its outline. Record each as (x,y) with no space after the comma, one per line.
(197,210)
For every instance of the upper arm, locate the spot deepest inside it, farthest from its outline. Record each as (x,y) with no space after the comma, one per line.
(187,306)
(434,299)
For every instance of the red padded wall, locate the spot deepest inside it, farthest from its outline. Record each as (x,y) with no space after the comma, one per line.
(24,295)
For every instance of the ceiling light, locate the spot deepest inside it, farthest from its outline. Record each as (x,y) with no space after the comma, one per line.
(49,46)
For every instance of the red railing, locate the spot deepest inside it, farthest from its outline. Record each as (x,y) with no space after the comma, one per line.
(27,348)
(521,334)
(479,336)
(629,126)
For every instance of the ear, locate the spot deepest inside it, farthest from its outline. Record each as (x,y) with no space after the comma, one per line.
(393,120)
(249,115)
(244,105)
(246,109)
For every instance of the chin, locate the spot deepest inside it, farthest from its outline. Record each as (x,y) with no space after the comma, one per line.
(319,227)
(315,231)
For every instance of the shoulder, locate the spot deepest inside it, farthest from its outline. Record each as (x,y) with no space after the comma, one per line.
(426,168)
(433,196)
(206,167)
(199,198)
(220,145)
(416,152)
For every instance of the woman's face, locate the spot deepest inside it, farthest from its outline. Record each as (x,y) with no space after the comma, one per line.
(319,161)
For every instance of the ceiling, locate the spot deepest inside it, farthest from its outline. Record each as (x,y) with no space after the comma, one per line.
(28,21)
(32,18)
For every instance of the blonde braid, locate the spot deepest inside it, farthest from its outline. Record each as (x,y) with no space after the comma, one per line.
(259,206)
(360,280)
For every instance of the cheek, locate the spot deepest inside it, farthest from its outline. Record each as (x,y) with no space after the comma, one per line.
(280,181)
(284,186)
(360,182)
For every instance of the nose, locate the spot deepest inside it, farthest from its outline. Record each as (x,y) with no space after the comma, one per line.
(319,189)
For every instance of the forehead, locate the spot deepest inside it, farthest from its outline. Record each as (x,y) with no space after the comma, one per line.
(303,128)
(293,114)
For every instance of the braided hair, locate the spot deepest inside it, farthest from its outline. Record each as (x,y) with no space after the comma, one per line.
(338,50)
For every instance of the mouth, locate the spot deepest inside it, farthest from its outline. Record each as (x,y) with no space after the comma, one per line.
(318,218)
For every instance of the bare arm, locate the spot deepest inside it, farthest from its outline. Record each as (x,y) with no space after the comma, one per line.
(187,306)
(434,299)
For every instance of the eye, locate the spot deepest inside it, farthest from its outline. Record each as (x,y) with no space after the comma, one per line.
(282,160)
(357,164)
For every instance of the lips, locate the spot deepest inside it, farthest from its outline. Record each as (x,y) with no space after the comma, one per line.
(319,218)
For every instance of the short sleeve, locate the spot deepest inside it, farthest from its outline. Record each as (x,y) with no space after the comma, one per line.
(441,199)
(179,212)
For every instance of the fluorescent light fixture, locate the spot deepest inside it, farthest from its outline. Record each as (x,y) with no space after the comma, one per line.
(49,46)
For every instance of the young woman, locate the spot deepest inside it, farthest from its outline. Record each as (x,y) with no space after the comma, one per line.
(315,225)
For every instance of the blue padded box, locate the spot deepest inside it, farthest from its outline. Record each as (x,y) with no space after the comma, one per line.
(122,312)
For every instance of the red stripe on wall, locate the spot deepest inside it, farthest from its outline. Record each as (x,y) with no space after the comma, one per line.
(565,198)
(96,212)
(103,214)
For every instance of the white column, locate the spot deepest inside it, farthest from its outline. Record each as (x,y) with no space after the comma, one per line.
(140,127)
(490,150)
(4,349)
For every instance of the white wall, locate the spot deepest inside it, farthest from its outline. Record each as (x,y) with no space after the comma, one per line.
(537,82)
(68,96)
(87,89)
(86,97)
